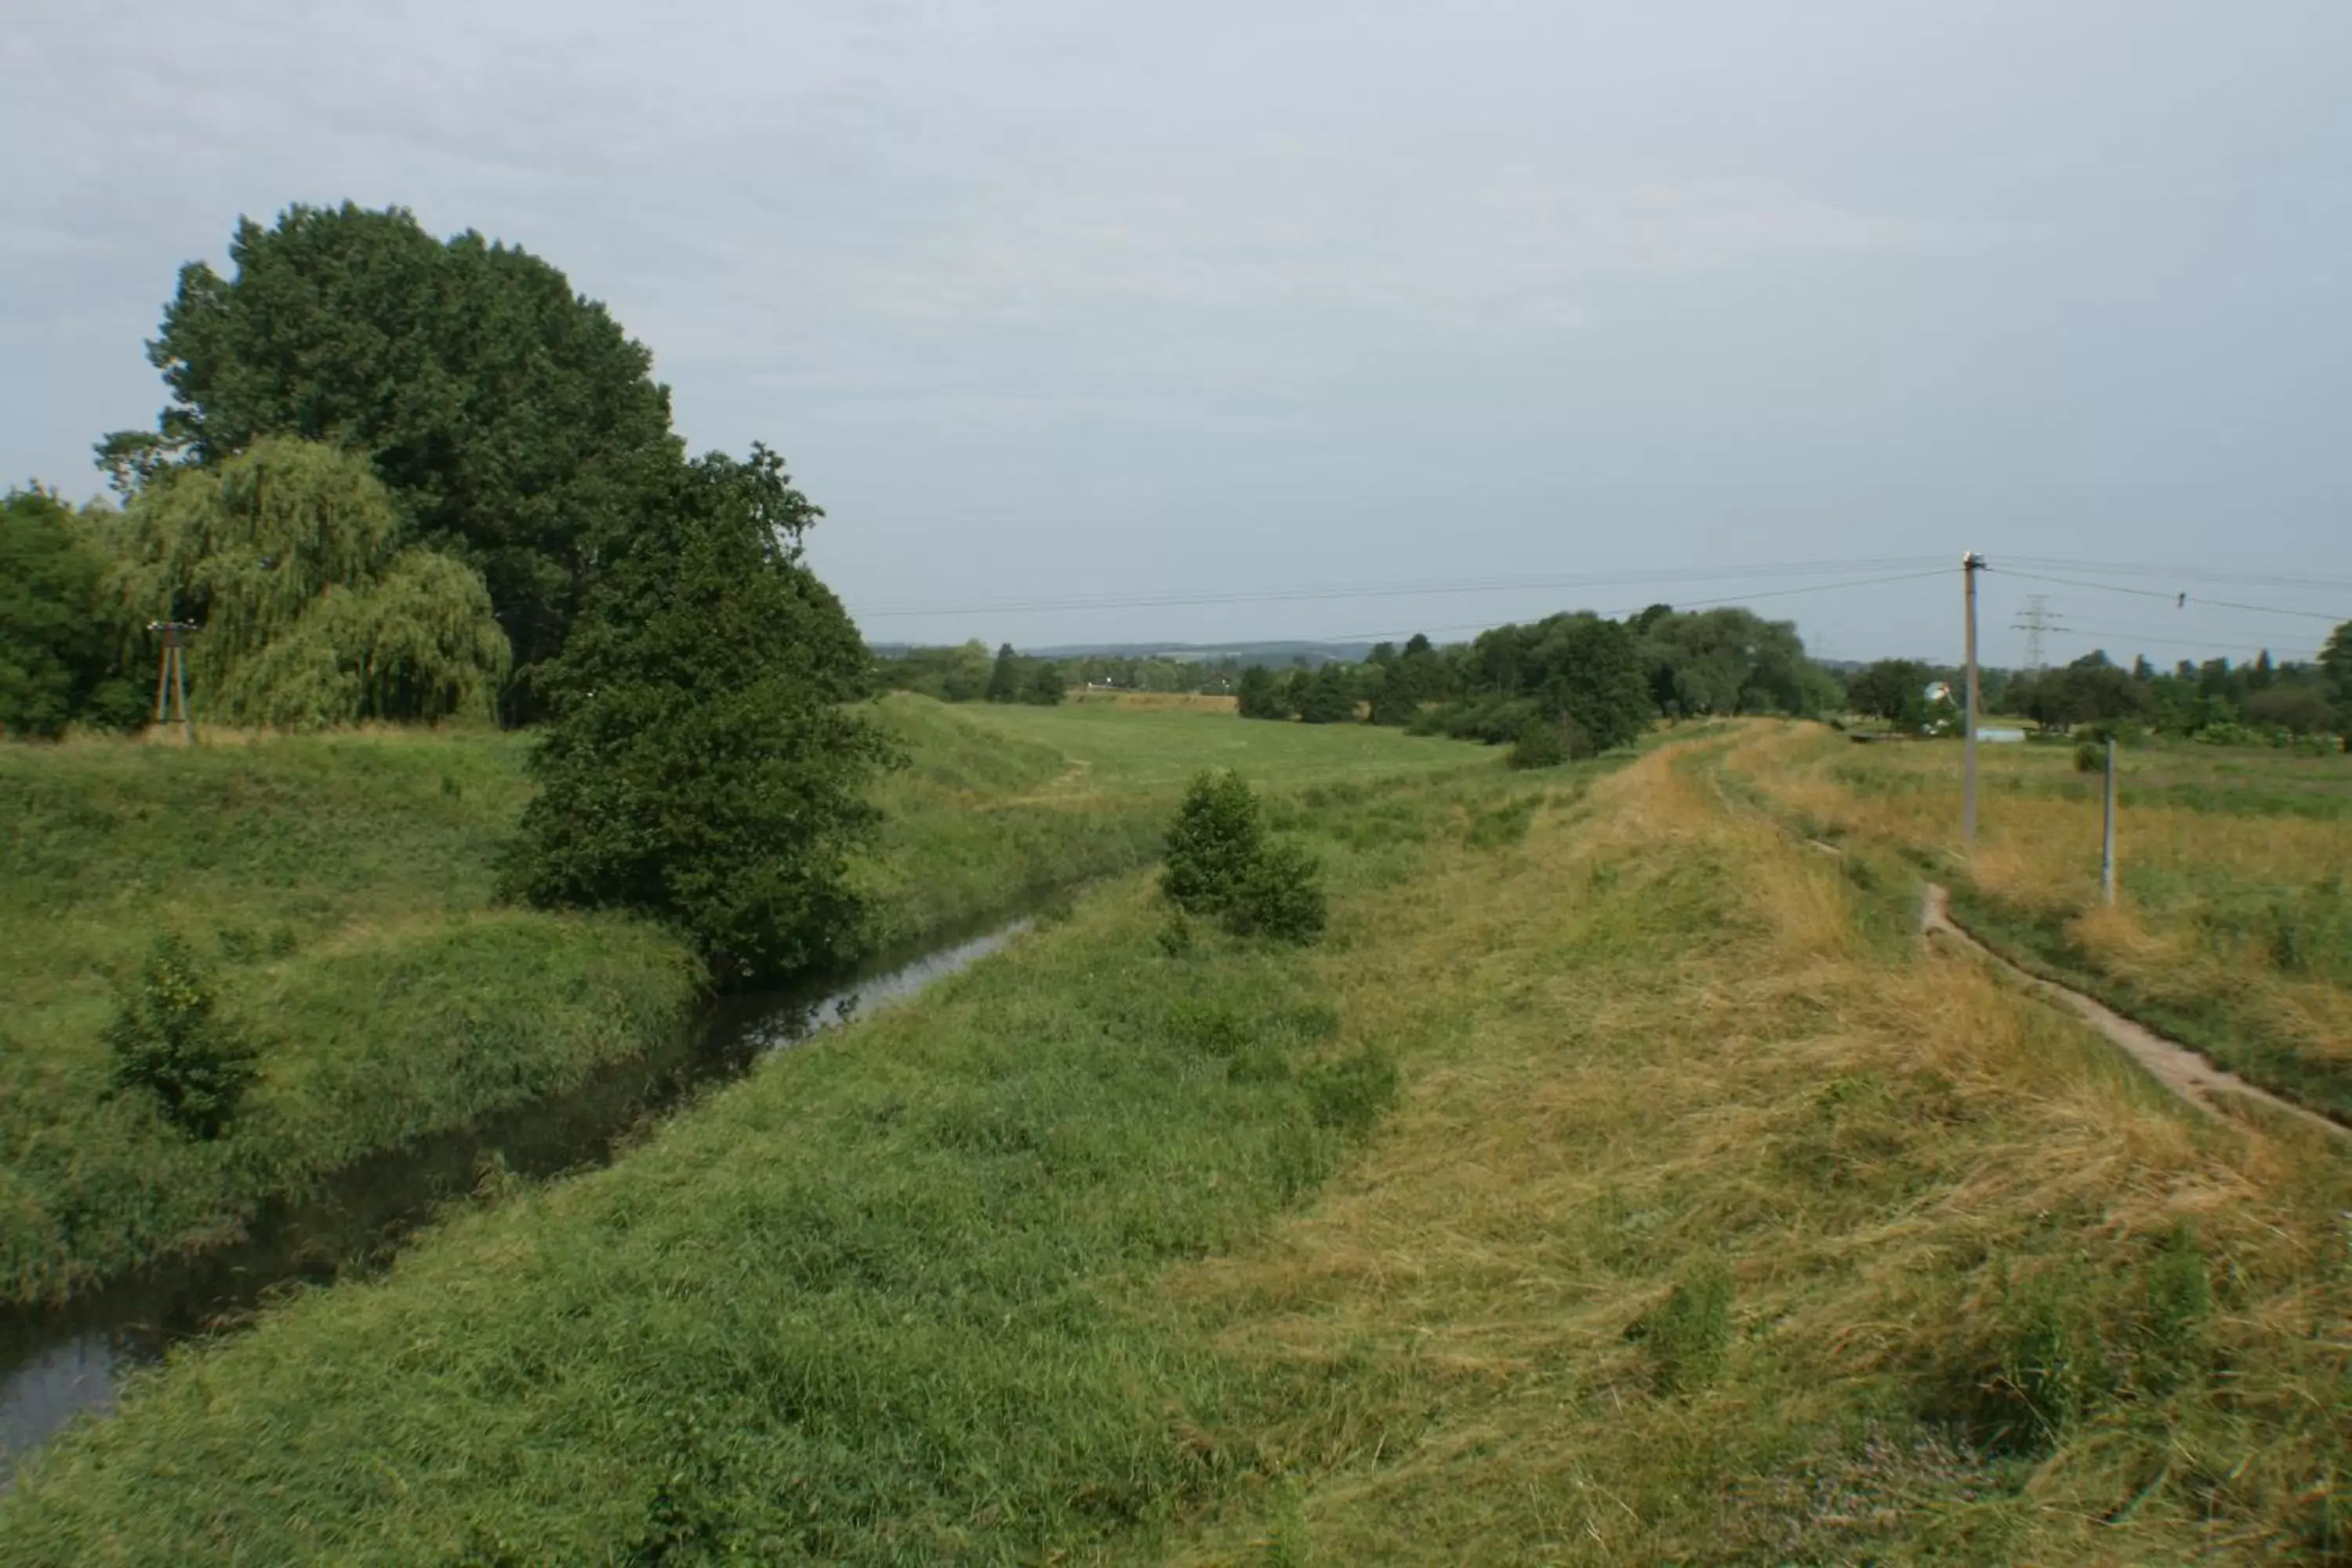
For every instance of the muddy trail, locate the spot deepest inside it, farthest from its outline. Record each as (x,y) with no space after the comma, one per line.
(2178,1069)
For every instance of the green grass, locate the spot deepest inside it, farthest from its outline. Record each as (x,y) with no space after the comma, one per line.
(1119,748)
(864,1306)
(1604,1189)
(1002,802)
(342,887)
(2232,932)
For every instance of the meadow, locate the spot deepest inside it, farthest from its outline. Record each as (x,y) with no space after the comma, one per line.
(1621,1179)
(341,888)
(2233,929)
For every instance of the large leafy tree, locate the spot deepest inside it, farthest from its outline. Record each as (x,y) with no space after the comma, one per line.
(2336,664)
(1894,690)
(1330,697)
(1588,671)
(1726,660)
(55,646)
(705,761)
(288,556)
(1260,696)
(513,421)
(1005,676)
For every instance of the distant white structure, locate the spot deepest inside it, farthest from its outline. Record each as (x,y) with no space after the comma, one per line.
(2000,737)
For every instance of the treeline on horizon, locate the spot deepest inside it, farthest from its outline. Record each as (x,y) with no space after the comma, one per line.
(1597,683)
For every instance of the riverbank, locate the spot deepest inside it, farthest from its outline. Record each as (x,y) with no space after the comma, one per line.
(339,889)
(861,1295)
(1615,1183)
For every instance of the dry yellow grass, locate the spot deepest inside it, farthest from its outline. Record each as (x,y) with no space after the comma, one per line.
(1160,701)
(1662,1036)
(2206,888)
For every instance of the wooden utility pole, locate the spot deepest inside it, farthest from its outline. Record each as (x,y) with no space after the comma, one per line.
(172,675)
(1971,564)
(2107,834)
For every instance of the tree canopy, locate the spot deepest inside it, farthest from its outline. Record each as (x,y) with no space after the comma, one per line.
(514,424)
(288,556)
(57,653)
(704,763)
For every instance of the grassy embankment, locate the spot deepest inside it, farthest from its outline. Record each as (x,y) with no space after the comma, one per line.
(341,886)
(1717,1221)
(2233,929)
(1003,799)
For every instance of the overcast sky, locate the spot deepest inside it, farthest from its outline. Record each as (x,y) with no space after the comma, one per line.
(1048,300)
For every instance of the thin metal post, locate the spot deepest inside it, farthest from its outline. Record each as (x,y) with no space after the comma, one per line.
(2107,834)
(163,682)
(1971,564)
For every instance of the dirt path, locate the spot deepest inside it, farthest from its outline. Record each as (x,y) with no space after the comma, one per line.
(2173,1065)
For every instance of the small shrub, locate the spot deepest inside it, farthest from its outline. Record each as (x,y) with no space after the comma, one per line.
(2090,757)
(1282,897)
(1221,864)
(1688,1333)
(2230,733)
(1216,840)
(167,1039)
(1540,746)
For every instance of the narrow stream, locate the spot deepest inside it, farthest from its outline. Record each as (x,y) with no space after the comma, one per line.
(55,1365)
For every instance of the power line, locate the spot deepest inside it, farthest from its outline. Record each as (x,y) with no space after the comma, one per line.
(2188,573)
(2180,600)
(1312,593)
(1326,593)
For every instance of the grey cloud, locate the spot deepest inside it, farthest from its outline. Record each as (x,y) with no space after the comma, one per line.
(1486,288)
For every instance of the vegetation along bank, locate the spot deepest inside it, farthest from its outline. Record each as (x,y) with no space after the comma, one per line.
(1618,1179)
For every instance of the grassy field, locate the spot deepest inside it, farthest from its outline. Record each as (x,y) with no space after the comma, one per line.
(2233,929)
(1003,799)
(1621,1180)
(341,887)
(1139,745)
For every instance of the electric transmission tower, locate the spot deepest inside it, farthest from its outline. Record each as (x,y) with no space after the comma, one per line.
(2039,621)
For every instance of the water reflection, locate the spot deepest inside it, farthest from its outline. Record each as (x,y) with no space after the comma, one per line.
(54,1365)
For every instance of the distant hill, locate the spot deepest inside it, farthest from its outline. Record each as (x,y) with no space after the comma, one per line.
(1272,653)
(1313,653)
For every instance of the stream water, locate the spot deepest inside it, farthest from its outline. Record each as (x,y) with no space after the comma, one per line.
(56,1364)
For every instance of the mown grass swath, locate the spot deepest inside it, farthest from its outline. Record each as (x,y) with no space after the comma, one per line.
(2233,930)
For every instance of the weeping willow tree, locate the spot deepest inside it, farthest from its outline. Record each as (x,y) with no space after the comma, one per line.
(287,555)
